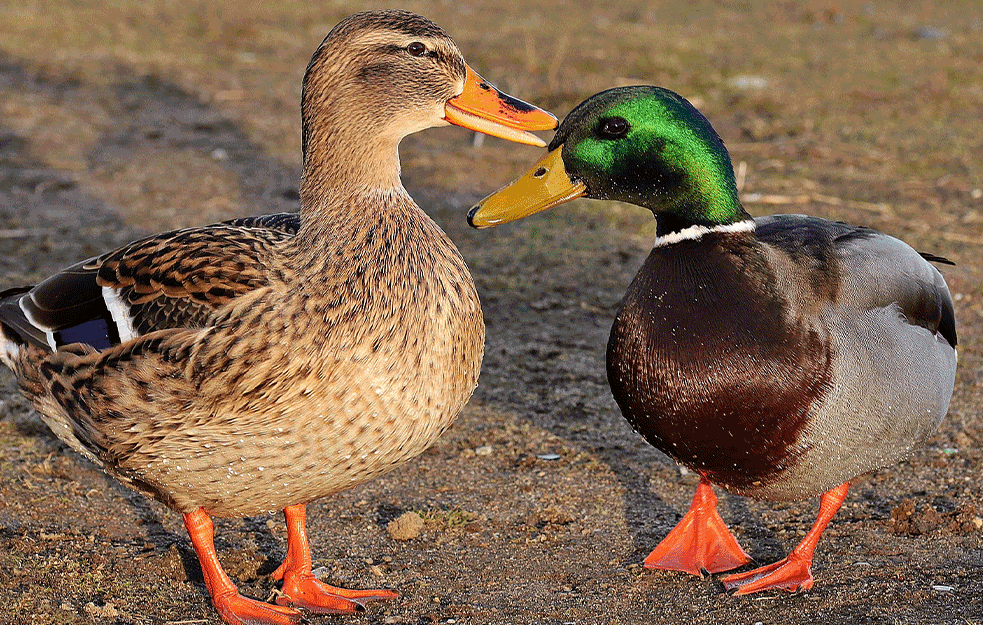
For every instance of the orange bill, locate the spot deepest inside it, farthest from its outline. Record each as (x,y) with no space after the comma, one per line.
(545,185)
(483,108)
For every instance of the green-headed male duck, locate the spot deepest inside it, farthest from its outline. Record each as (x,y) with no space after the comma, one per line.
(777,357)
(263,363)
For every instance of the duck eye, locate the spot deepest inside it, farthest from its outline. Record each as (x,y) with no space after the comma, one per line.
(614,127)
(416,49)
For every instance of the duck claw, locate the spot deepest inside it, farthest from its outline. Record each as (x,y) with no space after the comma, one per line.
(791,574)
(238,610)
(309,593)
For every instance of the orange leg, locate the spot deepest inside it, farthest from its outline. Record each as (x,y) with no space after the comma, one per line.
(232,607)
(300,587)
(793,572)
(700,541)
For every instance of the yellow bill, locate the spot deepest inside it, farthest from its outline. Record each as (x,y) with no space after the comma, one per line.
(544,186)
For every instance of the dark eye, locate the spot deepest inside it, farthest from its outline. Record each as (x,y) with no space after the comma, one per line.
(416,49)
(614,127)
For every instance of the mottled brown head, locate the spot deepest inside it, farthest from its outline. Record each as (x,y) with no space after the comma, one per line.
(381,75)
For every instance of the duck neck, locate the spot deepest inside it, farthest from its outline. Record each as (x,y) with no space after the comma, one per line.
(351,174)
(668,224)
(694,222)
(706,209)
(349,138)
(347,233)
(697,188)
(343,163)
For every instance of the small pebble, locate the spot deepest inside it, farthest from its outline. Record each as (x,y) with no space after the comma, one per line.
(484,450)
(407,526)
(107,611)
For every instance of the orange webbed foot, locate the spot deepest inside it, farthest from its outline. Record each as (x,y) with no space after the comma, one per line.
(306,591)
(301,589)
(791,574)
(231,606)
(700,541)
(238,610)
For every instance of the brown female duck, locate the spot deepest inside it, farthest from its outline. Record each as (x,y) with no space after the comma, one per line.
(263,363)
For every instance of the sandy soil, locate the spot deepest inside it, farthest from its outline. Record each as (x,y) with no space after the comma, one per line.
(540,503)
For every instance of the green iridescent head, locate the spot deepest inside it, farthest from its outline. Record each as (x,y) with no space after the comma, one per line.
(642,145)
(651,147)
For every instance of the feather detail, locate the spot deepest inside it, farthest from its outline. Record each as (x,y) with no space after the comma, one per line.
(942,260)
(119,310)
(49,335)
(173,280)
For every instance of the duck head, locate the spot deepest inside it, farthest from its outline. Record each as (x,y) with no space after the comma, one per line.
(646,146)
(381,75)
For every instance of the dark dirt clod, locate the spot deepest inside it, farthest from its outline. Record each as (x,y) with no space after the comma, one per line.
(909,518)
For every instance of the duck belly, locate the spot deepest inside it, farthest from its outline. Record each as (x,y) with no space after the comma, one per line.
(331,426)
(300,453)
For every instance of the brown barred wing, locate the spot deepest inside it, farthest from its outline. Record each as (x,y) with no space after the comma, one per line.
(171,280)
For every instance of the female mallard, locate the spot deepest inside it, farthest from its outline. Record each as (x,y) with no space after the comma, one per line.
(778,357)
(262,363)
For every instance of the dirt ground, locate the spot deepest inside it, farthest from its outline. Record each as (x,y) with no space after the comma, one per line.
(119,119)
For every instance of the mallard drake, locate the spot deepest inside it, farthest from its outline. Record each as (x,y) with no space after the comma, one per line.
(777,357)
(262,363)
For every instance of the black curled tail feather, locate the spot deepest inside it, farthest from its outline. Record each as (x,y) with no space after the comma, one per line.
(942,260)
